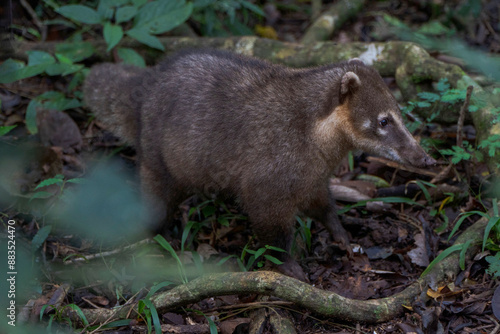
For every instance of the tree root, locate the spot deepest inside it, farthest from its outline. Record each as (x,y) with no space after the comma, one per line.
(322,302)
(331,20)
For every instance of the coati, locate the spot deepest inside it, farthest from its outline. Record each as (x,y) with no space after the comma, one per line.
(265,133)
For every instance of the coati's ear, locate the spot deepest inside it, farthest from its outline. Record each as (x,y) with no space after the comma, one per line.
(349,85)
(356,61)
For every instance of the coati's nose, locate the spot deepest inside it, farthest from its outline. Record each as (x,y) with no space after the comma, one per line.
(429,161)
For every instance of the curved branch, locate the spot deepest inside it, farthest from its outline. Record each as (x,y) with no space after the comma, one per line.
(331,20)
(304,295)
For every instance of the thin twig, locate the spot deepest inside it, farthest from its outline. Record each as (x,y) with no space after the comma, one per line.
(497,325)
(38,23)
(461,118)
(109,253)
(460,125)
(443,174)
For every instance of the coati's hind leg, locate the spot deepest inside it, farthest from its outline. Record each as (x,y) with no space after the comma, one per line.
(273,224)
(162,196)
(324,210)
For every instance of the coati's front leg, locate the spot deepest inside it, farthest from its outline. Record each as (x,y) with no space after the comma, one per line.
(273,224)
(324,210)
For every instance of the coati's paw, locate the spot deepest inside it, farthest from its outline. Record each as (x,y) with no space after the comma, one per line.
(293,269)
(343,241)
(341,237)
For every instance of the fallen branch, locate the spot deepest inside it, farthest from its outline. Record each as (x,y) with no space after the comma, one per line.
(397,165)
(331,20)
(302,294)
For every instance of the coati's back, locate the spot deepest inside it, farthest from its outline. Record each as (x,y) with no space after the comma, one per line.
(223,121)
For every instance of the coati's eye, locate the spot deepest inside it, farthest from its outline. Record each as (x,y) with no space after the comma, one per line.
(384,122)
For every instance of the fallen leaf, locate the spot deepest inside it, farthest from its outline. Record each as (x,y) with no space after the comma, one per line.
(228,326)
(419,255)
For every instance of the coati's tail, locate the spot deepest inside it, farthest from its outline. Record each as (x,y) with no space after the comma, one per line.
(115,93)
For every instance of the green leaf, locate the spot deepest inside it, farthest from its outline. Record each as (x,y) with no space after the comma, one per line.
(273,259)
(63,59)
(259,252)
(77,180)
(80,13)
(125,13)
(75,51)
(164,243)
(441,256)
(157,287)
(112,35)
(223,221)
(142,35)
(443,85)
(6,129)
(40,237)
(57,100)
(139,3)
(80,313)
(224,260)
(185,232)
(42,310)
(62,69)
(276,249)
(462,254)
(213,327)
(378,181)
(154,9)
(154,315)
(433,28)
(160,16)
(171,20)
(464,216)
(30,117)
(423,104)
(453,95)
(36,57)
(431,97)
(58,179)
(424,191)
(491,223)
(208,211)
(105,9)
(11,70)
(252,7)
(395,22)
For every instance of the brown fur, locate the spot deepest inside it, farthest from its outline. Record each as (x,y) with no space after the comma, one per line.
(266,134)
